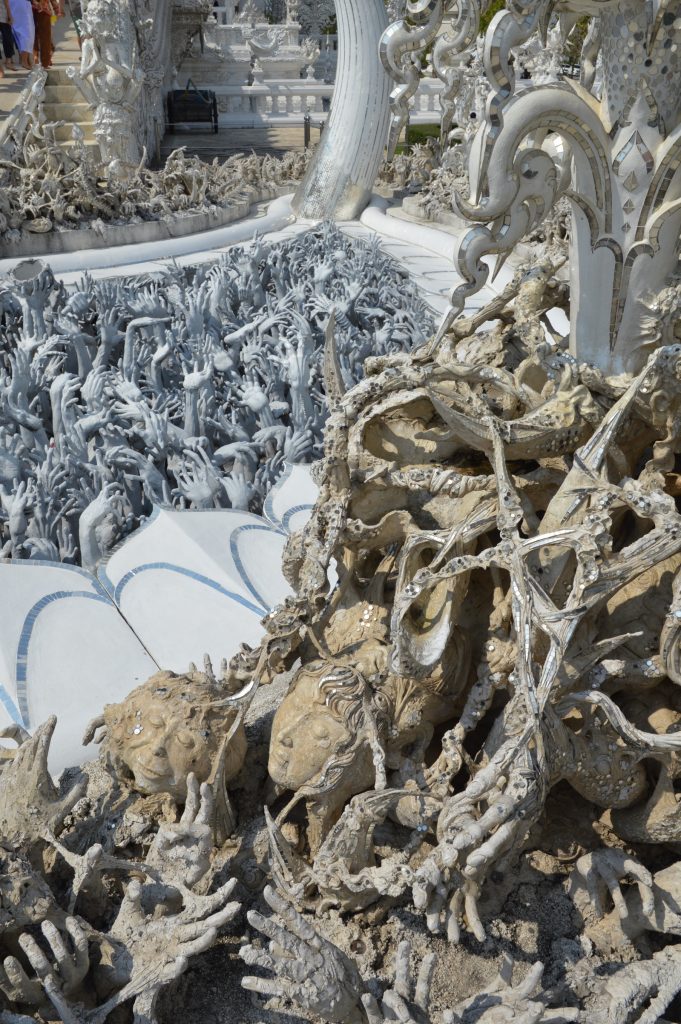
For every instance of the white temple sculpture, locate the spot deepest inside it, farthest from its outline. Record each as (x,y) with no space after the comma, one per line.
(446,722)
(232,41)
(111,80)
(619,163)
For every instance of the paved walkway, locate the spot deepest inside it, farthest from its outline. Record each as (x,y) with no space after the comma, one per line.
(275,139)
(67,52)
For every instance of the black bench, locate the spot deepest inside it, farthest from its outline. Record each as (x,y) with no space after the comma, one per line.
(192,106)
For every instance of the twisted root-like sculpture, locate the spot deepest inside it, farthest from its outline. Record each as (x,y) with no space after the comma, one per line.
(504,530)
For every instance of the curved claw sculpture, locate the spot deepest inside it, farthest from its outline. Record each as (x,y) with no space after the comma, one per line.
(623,145)
(340,179)
(464,19)
(403,44)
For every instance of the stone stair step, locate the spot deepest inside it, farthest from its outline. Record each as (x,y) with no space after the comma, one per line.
(67,123)
(79,113)
(62,94)
(58,76)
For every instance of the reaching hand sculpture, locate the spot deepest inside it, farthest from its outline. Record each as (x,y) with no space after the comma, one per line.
(39,814)
(189,392)
(310,971)
(314,974)
(503,527)
(160,919)
(50,186)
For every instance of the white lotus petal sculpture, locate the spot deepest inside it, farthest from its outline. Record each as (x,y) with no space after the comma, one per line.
(184,585)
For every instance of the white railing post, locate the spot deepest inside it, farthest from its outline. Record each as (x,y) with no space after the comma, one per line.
(275,101)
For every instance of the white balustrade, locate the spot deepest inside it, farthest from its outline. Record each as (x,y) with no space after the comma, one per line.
(271,101)
(426,104)
(290,99)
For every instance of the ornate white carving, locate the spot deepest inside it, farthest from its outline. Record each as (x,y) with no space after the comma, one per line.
(266,44)
(111,79)
(618,161)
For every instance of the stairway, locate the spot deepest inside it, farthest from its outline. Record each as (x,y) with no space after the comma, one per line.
(64,102)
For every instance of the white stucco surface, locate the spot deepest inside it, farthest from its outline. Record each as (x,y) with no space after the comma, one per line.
(290,503)
(195,583)
(184,585)
(65,650)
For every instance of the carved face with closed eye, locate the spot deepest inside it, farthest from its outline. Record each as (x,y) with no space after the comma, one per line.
(306,733)
(169,727)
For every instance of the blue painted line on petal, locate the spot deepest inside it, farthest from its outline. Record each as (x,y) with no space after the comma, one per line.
(103,570)
(27,633)
(238,562)
(294,512)
(10,707)
(42,563)
(258,610)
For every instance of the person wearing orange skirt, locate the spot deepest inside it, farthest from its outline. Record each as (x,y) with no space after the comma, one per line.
(43,13)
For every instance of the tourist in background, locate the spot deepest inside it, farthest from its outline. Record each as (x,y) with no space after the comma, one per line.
(23,27)
(8,48)
(44,11)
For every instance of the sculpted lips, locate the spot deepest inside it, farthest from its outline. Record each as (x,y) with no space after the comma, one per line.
(156,772)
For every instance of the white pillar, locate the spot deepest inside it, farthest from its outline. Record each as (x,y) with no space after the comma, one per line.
(339,181)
